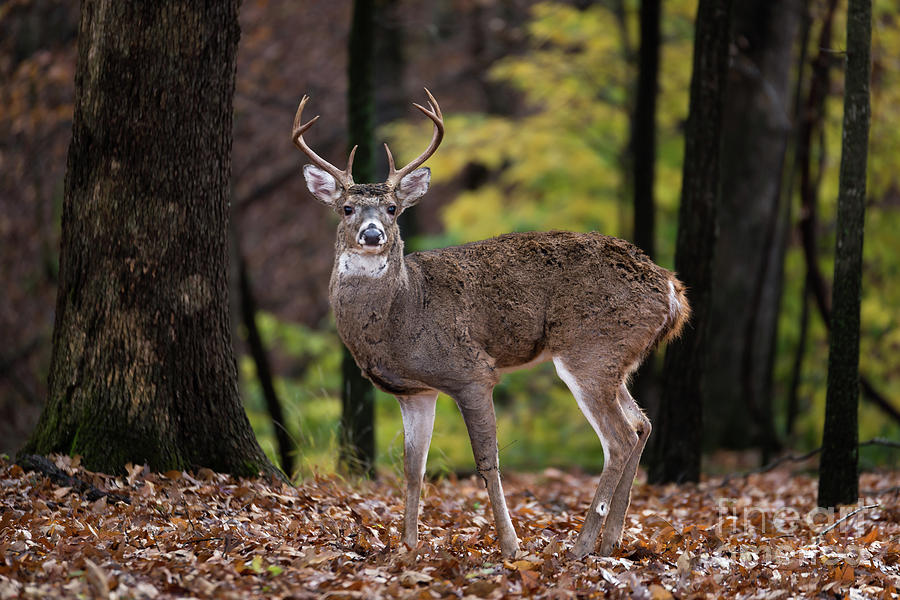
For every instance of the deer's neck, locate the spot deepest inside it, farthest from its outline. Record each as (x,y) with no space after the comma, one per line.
(363,288)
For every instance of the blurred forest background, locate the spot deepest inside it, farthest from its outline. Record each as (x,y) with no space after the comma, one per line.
(540,102)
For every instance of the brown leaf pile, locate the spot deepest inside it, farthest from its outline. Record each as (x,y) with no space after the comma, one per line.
(206,534)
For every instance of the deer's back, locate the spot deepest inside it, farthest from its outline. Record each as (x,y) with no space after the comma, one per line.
(520,294)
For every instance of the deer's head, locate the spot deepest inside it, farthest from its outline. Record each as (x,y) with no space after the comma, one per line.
(368,211)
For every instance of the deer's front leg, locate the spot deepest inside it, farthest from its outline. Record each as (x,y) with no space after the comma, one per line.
(418,423)
(477,407)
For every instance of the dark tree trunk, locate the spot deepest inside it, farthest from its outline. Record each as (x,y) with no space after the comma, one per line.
(838,470)
(357,394)
(645,382)
(391,102)
(643,137)
(143,369)
(753,226)
(679,432)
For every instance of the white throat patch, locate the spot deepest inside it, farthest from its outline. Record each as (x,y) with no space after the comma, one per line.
(362,264)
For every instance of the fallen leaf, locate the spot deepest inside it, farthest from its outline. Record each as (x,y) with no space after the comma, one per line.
(520,565)
(412,578)
(683,565)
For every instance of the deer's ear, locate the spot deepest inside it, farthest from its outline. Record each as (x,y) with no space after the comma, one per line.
(322,185)
(413,186)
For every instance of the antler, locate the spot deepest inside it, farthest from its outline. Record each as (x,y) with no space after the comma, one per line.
(394,176)
(345,177)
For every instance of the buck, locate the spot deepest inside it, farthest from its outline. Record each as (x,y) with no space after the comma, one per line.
(452,320)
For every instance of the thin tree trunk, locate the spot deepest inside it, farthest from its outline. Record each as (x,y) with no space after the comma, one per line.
(813,117)
(678,447)
(645,382)
(793,401)
(143,369)
(839,469)
(391,101)
(263,369)
(357,394)
(644,129)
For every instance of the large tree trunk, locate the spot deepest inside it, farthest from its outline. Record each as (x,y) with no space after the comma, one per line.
(357,394)
(677,450)
(753,226)
(143,368)
(838,470)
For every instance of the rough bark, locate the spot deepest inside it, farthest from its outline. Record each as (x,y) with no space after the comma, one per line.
(753,226)
(839,469)
(678,447)
(357,394)
(143,369)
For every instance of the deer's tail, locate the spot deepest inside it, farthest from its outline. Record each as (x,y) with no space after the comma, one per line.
(679,312)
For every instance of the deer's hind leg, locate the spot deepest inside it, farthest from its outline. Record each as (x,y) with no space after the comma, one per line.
(418,424)
(596,392)
(615,520)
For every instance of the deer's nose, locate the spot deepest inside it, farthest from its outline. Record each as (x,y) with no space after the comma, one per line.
(372,236)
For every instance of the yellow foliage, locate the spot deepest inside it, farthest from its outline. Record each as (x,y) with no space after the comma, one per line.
(562,165)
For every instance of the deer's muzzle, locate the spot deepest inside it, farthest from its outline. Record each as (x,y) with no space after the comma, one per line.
(371,236)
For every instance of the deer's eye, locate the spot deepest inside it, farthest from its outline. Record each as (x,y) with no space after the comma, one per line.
(391,209)
(348,210)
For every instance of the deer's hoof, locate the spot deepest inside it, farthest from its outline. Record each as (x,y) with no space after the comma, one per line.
(581,548)
(607,548)
(509,550)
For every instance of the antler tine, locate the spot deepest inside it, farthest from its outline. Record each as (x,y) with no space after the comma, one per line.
(345,177)
(394,176)
(349,169)
(390,157)
(432,103)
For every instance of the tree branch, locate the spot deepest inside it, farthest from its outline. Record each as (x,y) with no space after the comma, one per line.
(800,458)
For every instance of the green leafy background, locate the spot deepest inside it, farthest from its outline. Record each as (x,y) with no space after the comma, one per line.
(563,168)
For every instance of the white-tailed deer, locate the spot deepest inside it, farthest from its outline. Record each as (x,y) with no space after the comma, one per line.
(452,320)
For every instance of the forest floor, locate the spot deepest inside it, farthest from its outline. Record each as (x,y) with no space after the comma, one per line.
(206,534)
